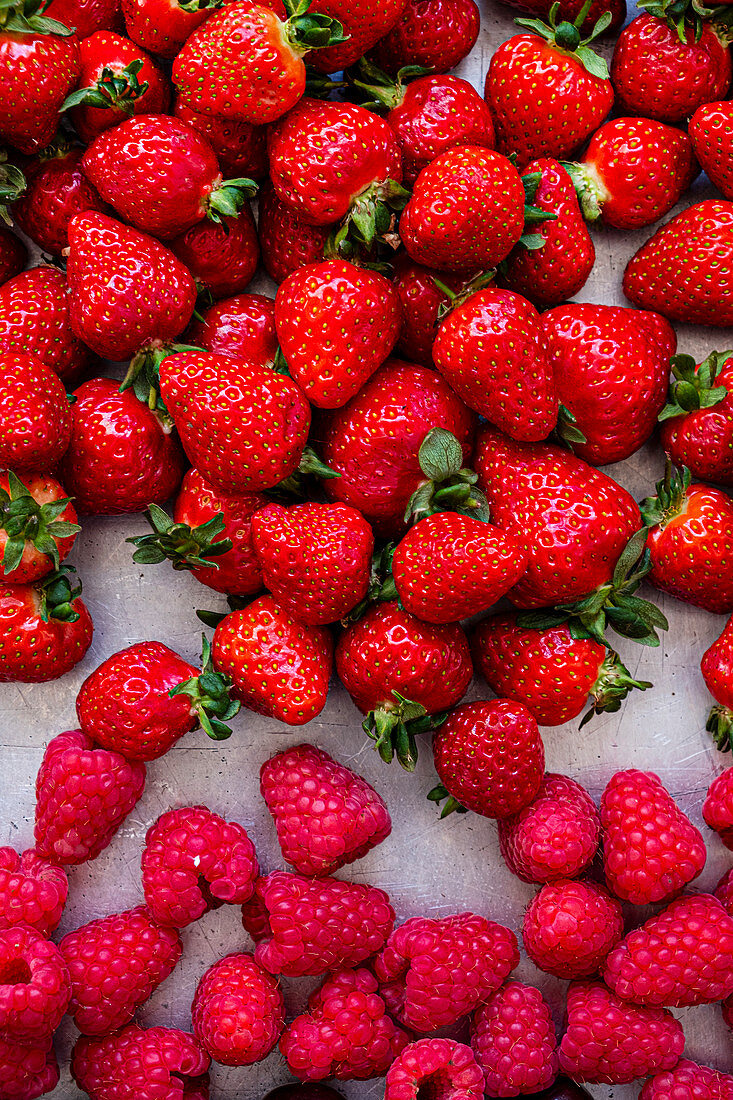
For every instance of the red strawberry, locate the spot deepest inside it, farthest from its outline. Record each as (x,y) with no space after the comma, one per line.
(710,130)
(717,809)
(555,117)
(13,254)
(570,10)
(287,241)
(243,327)
(550,671)
(161,26)
(421,300)
(34,318)
(279,667)
(492,350)
(243,426)
(46,629)
(35,417)
(435,34)
(37,526)
(240,148)
(364,23)
(86,16)
(697,421)
(717,672)
(336,324)
(126,288)
(57,189)
(222,256)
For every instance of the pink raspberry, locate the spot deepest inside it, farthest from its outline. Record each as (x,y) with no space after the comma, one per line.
(83,794)
(307,926)
(688,1081)
(115,964)
(439,1068)
(194,861)
(555,836)
(346,1032)
(570,927)
(651,849)
(513,1039)
(609,1041)
(681,956)
(238,1011)
(326,816)
(32,891)
(34,987)
(432,972)
(27,1072)
(157,1063)
(724,892)
(717,809)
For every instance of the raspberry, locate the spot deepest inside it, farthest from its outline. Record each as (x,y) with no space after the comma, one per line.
(651,849)
(83,794)
(688,1081)
(435,1067)
(32,891)
(346,1032)
(717,809)
(307,926)
(157,1063)
(432,972)
(570,927)
(115,964)
(238,1011)
(34,987)
(612,1042)
(555,836)
(681,956)
(513,1040)
(326,815)
(194,861)
(724,892)
(27,1072)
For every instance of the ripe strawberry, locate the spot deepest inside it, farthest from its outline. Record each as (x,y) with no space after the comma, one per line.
(684,270)
(37,526)
(489,758)
(364,24)
(667,70)
(34,318)
(35,418)
(697,421)
(246,61)
(57,189)
(86,16)
(575,94)
(570,9)
(126,288)
(435,34)
(336,323)
(279,667)
(13,254)
(163,27)
(491,349)
(421,300)
(717,672)
(710,130)
(240,148)
(243,426)
(717,809)
(550,671)
(466,211)
(242,326)
(287,241)
(222,256)
(46,629)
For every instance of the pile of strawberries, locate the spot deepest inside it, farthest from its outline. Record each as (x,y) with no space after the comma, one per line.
(409,433)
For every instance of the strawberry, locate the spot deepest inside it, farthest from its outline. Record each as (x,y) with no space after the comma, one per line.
(685,270)
(221,255)
(279,667)
(363,23)
(336,324)
(240,148)
(435,34)
(697,421)
(717,672)
(246,61)
(633,172)
(161,26)
(611,374)
(85,16)
(46,629)
(551,671)
(35,418)
(57,189)
(421,300)
(243,327)
(315,558)
(34,317)
(13,254)
(491,349)
(554,118)
(710,131)
(570,9)
(287,242)
(37,526)
(243,426)
(126,288)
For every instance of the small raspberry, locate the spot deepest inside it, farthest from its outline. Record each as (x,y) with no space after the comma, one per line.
(439,1068)
(724,892)
(27,1072)
(194,861)
(513,1040)
(307,926)
(34,987)
(681,956)
(83,794)
(326,815)
(238,1011)
(346,1032)
(432,972)
(609,1041)
(32,891)
(651,849)
(555,836)
(570,927)
(157,1063)
(115,964)
(717,809)
(688,1081)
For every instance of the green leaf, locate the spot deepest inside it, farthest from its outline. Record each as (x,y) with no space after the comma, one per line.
(440,455)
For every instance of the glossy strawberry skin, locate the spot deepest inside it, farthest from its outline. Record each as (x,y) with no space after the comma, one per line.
(34,564)
(57,189)
(35,418)
(37,72)
(364,23)
(86,16)
(242,326)
(240,148)
(436,34)
(717,667)
(34,317)
(287,242)
(32,651)
(160,26)
(421,301)
(13,254)
(570,9)
(222,258)
(710,129)
(702,440)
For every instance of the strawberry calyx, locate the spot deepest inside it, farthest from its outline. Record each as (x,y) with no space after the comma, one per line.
(694,389)
(192,6)
(439,794)
(209,695)
(613,684)
(229,198)
(394,728)
(57,596)
(26,17)
(533,215)
(567,38)
(372,219)
(118,88)
(670,496)
(306,30)
(320,85)
(720,724)
(378,90)
(566,431)
(685,15)
(449,485)
(12,185)
(311,465)
(143,376)
(588,187)
(185,546)
(25,520)
(382,587)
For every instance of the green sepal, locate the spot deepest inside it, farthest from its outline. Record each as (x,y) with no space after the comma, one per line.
(670,495)
(192,6)
(682,16)
(12,186)
(118,89)
(320,85)
(25,520)
(395,728)
(377,89)
(26,17)
(586,189)
(372,220)
(310,466)
(613,684)
(58,595)
(213,618)
(382,587)
(720,724)
(566,37)
(143,376)
(439,794)
(210,696)
(566,430)
(229,199)
(692,389)
(185,546)
(455,298)
(449,486)
(306,30)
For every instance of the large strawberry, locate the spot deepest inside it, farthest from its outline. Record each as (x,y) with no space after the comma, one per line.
(287,241)
(685,271)
(435,34)
(222,255)
(35,418)
(242,326)
(162,26)
(364,23)
(717,672)
(711,130)
(37,526)
(57,190)
(34,318)
(697,421)
(86,16)
(240,148)
(46,629)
